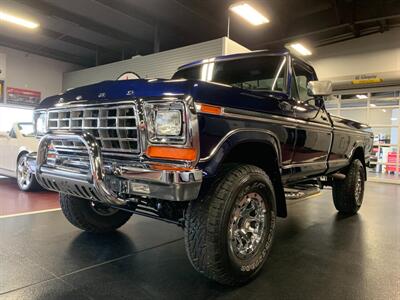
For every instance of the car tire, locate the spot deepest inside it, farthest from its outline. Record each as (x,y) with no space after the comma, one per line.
(348,193)
(91,216)
(242,197)
(25,179)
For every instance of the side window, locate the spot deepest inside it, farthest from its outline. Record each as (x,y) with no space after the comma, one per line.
(303,76)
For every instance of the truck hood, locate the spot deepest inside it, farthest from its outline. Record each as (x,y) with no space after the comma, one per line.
(114,91)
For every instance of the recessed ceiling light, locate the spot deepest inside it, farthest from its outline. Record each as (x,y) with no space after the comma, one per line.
(393,119)
(18,21)
(299,48)
(249,13)
(361,96)
(373,105)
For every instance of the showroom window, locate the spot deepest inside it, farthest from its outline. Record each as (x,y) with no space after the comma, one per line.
(379,108)
(10,115)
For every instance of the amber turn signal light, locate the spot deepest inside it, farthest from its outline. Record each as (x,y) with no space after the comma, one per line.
(171,153)
(210,109)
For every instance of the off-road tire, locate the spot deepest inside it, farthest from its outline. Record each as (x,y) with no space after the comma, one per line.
(344,191)
(207,221)
(79,213)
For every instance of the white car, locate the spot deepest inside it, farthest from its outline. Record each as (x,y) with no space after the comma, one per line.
(14,149)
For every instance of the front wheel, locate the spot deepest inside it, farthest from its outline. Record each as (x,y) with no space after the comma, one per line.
(229,231)
(92,216)
(26,180)
(348,194)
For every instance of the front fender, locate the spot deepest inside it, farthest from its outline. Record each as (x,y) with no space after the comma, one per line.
(211,163)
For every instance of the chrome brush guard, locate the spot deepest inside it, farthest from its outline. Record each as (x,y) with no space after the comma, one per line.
(128,180)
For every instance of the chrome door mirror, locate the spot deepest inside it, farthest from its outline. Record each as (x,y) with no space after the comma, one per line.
(319,88)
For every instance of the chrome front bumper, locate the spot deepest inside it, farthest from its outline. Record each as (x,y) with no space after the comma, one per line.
(137,179)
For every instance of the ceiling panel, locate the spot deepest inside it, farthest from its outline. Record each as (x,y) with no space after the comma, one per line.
(114,29)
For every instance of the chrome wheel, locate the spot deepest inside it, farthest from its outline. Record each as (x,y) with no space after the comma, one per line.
(24,176)
(247,226)
(103,210)
(358,189)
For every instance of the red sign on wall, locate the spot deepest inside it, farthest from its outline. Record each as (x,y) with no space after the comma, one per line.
(23,97)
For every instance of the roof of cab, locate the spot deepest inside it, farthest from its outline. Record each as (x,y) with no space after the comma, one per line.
(281,51)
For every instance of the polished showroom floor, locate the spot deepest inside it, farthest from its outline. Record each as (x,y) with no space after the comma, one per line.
(317,255)
(14,201)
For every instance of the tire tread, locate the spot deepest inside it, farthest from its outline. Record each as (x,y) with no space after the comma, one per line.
(202,226)
(79,213)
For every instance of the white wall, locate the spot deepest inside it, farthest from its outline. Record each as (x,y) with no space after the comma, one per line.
(376,53)
(232,47)
(30,71)
(157,65)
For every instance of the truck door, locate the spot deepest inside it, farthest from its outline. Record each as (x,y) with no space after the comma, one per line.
(314,128)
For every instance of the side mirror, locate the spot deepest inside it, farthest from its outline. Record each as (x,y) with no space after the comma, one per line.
(319,88)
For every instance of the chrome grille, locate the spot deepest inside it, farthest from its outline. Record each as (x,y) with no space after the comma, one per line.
(114,127)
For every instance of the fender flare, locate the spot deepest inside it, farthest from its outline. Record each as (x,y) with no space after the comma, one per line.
(359,144)
(211,164)
(243,135)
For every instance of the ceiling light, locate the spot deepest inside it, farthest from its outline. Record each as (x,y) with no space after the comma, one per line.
(249,13)
(373,105)
(362,97)
(393,119)
(299,48)
(17,20)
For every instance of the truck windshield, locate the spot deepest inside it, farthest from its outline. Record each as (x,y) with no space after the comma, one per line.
(262,73)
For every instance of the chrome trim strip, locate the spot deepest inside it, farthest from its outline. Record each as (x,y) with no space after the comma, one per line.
(257,116)
(289,121)
(357,131)
(269,118)
(307,164)
(304,164)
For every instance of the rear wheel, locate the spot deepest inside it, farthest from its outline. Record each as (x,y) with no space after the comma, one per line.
(92,216)
(25,178)
(229,232)
(348,194)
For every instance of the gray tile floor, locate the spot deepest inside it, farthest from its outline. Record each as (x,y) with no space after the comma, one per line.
(316,255)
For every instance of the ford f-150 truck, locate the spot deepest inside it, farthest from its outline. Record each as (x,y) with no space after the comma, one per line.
(210,150)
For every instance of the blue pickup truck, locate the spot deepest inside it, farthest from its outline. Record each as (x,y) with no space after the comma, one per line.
(210,150)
